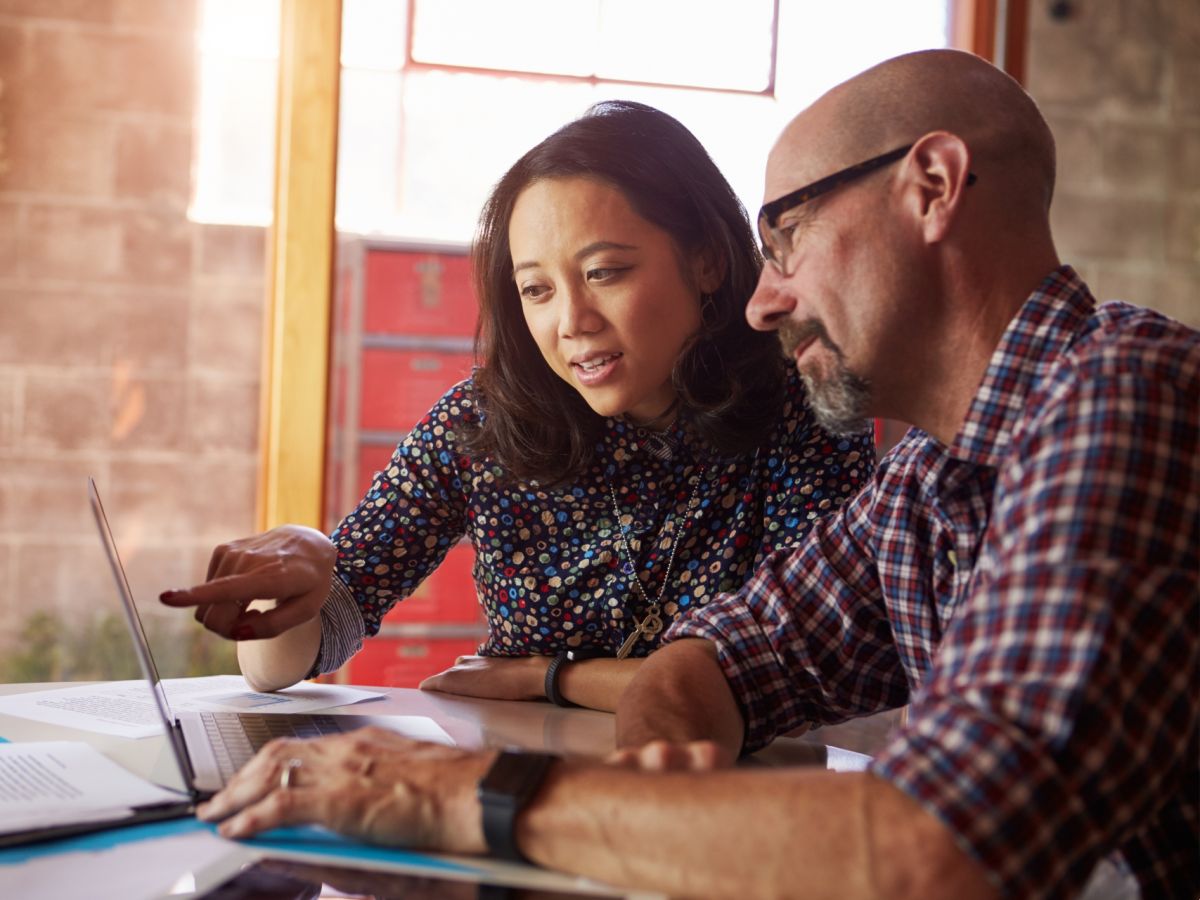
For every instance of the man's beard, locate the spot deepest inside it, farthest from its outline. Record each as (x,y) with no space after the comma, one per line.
(839,400)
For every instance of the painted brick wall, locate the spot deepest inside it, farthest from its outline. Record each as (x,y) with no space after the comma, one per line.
(129,336)
(1120,85)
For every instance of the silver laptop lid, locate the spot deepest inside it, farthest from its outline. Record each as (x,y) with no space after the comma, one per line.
(134,623)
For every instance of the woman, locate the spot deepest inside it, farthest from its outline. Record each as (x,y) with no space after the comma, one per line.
(627,449)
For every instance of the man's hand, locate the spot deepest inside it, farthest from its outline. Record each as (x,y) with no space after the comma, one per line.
(291,565)
(494,677)
(665,756)
(680,697)
(370,784)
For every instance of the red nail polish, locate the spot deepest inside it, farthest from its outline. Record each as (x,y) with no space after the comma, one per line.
(243,633)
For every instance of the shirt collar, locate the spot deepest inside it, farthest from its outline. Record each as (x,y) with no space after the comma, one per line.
(1050,319)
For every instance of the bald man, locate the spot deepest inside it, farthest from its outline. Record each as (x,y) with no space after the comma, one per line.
(1022,572)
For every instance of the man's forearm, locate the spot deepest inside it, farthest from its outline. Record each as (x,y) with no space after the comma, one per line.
(680,694)
(745,833)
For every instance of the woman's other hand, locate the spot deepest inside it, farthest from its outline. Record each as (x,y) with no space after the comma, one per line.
(291,565)
(493,677)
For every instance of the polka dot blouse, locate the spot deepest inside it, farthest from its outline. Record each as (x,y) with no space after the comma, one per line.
(554,568)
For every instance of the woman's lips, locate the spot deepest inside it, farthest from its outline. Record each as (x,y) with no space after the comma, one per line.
(596,369)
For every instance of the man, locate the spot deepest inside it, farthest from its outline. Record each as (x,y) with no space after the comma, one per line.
(1022,572)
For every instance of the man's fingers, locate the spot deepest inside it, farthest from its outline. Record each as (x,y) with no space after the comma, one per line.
(664,756)
(280,807)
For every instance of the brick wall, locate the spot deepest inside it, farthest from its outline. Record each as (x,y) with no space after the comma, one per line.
(129,336)
(1120,85)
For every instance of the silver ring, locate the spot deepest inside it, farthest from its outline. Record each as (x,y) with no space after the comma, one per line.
(289,768)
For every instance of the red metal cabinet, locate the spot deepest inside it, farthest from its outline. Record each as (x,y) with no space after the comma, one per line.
(404,321)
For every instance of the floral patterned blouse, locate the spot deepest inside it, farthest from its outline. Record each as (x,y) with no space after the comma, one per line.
(554,567)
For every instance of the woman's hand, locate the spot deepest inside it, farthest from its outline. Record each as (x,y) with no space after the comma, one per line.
(291,565)
(370,784)
(493,677)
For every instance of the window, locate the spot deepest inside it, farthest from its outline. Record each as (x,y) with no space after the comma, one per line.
(429,124)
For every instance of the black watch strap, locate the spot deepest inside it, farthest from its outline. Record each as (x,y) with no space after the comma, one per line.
(553,694)
(504,791)
(554,671)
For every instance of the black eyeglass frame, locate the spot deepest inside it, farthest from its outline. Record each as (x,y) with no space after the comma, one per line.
(773,241)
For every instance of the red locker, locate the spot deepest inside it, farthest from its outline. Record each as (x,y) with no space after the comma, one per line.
(403,334)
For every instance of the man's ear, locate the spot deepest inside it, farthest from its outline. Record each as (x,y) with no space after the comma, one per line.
(939,172)
(708,269)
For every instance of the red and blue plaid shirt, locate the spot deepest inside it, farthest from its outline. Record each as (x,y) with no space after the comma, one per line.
(1032,591)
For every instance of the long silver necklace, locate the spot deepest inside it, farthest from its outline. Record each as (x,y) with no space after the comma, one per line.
(651,623)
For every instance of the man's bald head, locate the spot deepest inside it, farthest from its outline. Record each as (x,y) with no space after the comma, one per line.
(898,101)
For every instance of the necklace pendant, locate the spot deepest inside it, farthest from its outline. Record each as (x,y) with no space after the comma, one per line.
(651,625)
(628,643)
(627,568)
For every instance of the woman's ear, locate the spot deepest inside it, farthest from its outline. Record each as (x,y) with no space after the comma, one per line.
(708,270)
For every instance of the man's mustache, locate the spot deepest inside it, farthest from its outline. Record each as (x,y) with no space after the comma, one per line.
(792,335)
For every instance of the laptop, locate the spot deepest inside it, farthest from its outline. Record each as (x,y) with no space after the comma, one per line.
(208,747)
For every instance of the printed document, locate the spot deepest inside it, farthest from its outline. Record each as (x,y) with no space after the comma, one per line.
(126,708)
(45,783)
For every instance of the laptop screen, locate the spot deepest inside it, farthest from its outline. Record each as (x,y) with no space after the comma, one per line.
(132,619)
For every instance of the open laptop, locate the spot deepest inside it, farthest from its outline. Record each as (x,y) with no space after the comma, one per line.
(209,747)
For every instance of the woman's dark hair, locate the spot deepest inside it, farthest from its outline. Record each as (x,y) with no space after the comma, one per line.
(729,378)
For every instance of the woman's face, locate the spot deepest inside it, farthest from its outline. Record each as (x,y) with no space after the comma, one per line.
(606,294)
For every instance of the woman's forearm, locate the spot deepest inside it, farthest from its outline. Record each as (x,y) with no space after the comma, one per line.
(597,683)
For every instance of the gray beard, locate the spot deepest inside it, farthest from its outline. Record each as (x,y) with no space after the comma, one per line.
(838,402)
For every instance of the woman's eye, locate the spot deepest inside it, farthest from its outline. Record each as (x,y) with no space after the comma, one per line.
(533,291)
(603,274)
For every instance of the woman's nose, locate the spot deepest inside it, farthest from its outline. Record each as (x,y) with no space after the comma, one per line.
(578,315)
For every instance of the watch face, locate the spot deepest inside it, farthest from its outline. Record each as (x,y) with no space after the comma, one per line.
(583,653)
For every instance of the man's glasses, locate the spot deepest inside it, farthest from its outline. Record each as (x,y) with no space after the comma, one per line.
(777,242)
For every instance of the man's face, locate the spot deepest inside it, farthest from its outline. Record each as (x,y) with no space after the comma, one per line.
(818,307)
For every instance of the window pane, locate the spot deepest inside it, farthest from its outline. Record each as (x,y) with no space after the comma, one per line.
(719,45)
(553,36)
(374,34)
(235,141)
(240,28)
(369,157)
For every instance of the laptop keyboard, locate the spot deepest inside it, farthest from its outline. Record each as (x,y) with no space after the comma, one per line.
(235,737)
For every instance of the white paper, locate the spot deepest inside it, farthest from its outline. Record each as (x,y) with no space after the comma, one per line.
(126,709)
(55,782)
(840,760)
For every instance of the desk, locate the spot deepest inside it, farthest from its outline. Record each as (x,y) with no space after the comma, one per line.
(471,723)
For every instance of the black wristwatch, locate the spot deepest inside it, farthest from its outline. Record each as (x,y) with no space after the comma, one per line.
(553,694)
(504,791)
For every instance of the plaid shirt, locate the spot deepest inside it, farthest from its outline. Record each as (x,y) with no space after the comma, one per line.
(1032,591)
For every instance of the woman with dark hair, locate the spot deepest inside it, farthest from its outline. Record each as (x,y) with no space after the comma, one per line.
(627,449)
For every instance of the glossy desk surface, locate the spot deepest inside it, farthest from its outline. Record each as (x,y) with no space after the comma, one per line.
(470,722)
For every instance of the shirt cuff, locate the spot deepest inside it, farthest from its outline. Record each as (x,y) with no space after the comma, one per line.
(342,629)
(749,665)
